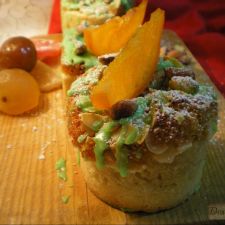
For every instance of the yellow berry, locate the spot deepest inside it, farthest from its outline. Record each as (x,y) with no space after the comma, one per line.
(19,92)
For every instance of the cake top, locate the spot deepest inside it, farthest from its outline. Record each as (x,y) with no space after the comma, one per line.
(174,111)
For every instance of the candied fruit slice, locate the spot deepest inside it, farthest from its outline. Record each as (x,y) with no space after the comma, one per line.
(114,34)
(132,70)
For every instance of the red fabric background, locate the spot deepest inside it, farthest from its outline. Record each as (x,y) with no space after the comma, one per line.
(200,23)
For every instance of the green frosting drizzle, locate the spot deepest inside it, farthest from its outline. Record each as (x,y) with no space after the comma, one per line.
(101,142)
(137,118)
(122,152)
(172,62)
(83,101)
(69,56)
(97,125)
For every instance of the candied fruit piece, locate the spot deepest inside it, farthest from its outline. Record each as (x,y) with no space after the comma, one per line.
(132,70)
(115,33)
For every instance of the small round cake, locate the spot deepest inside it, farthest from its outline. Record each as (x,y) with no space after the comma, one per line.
(85,13)
(146,153)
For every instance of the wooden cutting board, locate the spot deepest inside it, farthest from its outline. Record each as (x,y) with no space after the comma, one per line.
(31,192)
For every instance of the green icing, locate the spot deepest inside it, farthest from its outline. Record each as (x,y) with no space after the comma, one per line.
(129,133)
(137,117)
(101,142)
(83,101)
(87,6)
(81,88)
(122,152)
(175,62)
(79,4)
(69,56)
(82,85)
(97,125)
(61,169)
(131,128)
(162,64)
(70,4)
(60,164)
(172,62)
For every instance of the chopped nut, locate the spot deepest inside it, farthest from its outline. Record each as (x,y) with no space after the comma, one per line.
(185,59)
(34,128)
(107,59)
(179,72)
(80,48)
(186,84)
(122,109)
(160,80)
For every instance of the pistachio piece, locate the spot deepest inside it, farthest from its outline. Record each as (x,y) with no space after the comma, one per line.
(181,72)
(107,58)
(160,80)
(80,48)
(185,59)
(186,84)
(122,109)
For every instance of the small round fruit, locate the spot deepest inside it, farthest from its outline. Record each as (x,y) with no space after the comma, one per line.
(18,52)
(19,92)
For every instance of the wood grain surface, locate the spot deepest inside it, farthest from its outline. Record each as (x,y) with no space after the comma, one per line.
(31,192)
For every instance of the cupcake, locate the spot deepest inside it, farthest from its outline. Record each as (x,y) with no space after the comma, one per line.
(145,151)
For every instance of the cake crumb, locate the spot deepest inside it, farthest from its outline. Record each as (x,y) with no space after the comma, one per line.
(42,151)
(45,146)
(41,157)
(34,128)
(48,126)
(23,125)
(9,146)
